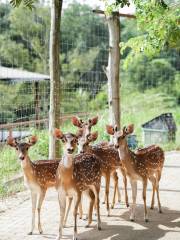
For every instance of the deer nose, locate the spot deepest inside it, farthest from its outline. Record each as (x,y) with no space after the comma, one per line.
(82,151)
(116,146)
(70,150)
(21,157)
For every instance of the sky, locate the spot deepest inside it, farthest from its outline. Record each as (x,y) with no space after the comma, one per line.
(93,3)
(100,5)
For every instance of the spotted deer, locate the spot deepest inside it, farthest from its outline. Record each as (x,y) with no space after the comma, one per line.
(109,157)
(145,164)
(76,174)
(38,176)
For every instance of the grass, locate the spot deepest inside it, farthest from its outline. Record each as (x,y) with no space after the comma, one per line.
(136,108)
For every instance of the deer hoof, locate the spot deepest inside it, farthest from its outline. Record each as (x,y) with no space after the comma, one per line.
(99,227)
(30,233)
(75,237)
(146,220)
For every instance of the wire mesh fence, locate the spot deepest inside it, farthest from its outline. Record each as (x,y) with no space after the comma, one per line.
(149,87)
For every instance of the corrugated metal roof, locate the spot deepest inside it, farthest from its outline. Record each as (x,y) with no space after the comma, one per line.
(165,120)
(15,74)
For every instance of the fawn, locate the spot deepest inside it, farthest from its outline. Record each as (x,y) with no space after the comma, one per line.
(38,176)
(76,174)
(145,164)
(109,157)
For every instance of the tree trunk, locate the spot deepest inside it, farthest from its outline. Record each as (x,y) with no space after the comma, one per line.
(112,70)
(54,112)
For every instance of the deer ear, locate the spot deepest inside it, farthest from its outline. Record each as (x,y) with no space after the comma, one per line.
(58,134)
(110,130)
(76,122)
(93,121)
(93,136)
(11,142)
(32,140)
(130,128)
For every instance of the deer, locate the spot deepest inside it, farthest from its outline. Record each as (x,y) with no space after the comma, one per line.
(38,176)
(77,174)
(109,158)
(141,165)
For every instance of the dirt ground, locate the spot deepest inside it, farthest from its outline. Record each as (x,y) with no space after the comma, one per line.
(15,214)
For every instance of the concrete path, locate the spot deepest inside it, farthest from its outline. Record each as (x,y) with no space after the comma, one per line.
(15,214)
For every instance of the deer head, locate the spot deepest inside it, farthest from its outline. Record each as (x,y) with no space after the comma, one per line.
(69,140)
(86,126)
(21,147)
(119,137)
(83,142)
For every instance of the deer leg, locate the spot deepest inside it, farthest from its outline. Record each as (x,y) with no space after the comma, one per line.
(144,199)
(105,196)
(62,204)
(107,193)
(158,177)
(67,212)
(115,177)
(78,199)
(125,186)
(92,201)
(134,195)
(80,209)
(40,201)
(96,193)
(34,202)
(118,193)
(153,181)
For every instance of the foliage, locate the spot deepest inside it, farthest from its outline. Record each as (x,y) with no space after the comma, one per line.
(159,23)
(27,3)
(24,39)
(145,73)
(161,30)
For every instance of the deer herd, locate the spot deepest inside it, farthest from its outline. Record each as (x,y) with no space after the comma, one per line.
(77,174)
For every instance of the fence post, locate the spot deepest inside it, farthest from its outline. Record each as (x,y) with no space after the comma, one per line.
(54,112)
(112,70)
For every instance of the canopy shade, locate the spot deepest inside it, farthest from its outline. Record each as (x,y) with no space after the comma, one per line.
(15,74)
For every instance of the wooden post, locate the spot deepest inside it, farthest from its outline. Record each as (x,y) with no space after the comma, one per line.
(54,112)
(112,70)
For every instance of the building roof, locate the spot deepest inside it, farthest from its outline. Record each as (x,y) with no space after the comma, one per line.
(162,121)
(15,74)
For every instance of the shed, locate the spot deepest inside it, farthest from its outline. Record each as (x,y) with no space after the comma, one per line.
(15,75)
(160,129)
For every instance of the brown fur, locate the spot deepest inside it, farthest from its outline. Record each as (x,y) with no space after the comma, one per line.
(110,161)
(39,175)
(77,174)
(141,165)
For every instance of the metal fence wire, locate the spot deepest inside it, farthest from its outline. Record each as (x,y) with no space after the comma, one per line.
(149,87)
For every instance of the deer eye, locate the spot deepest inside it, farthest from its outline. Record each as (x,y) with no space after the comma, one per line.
(63,140)
(16,148)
